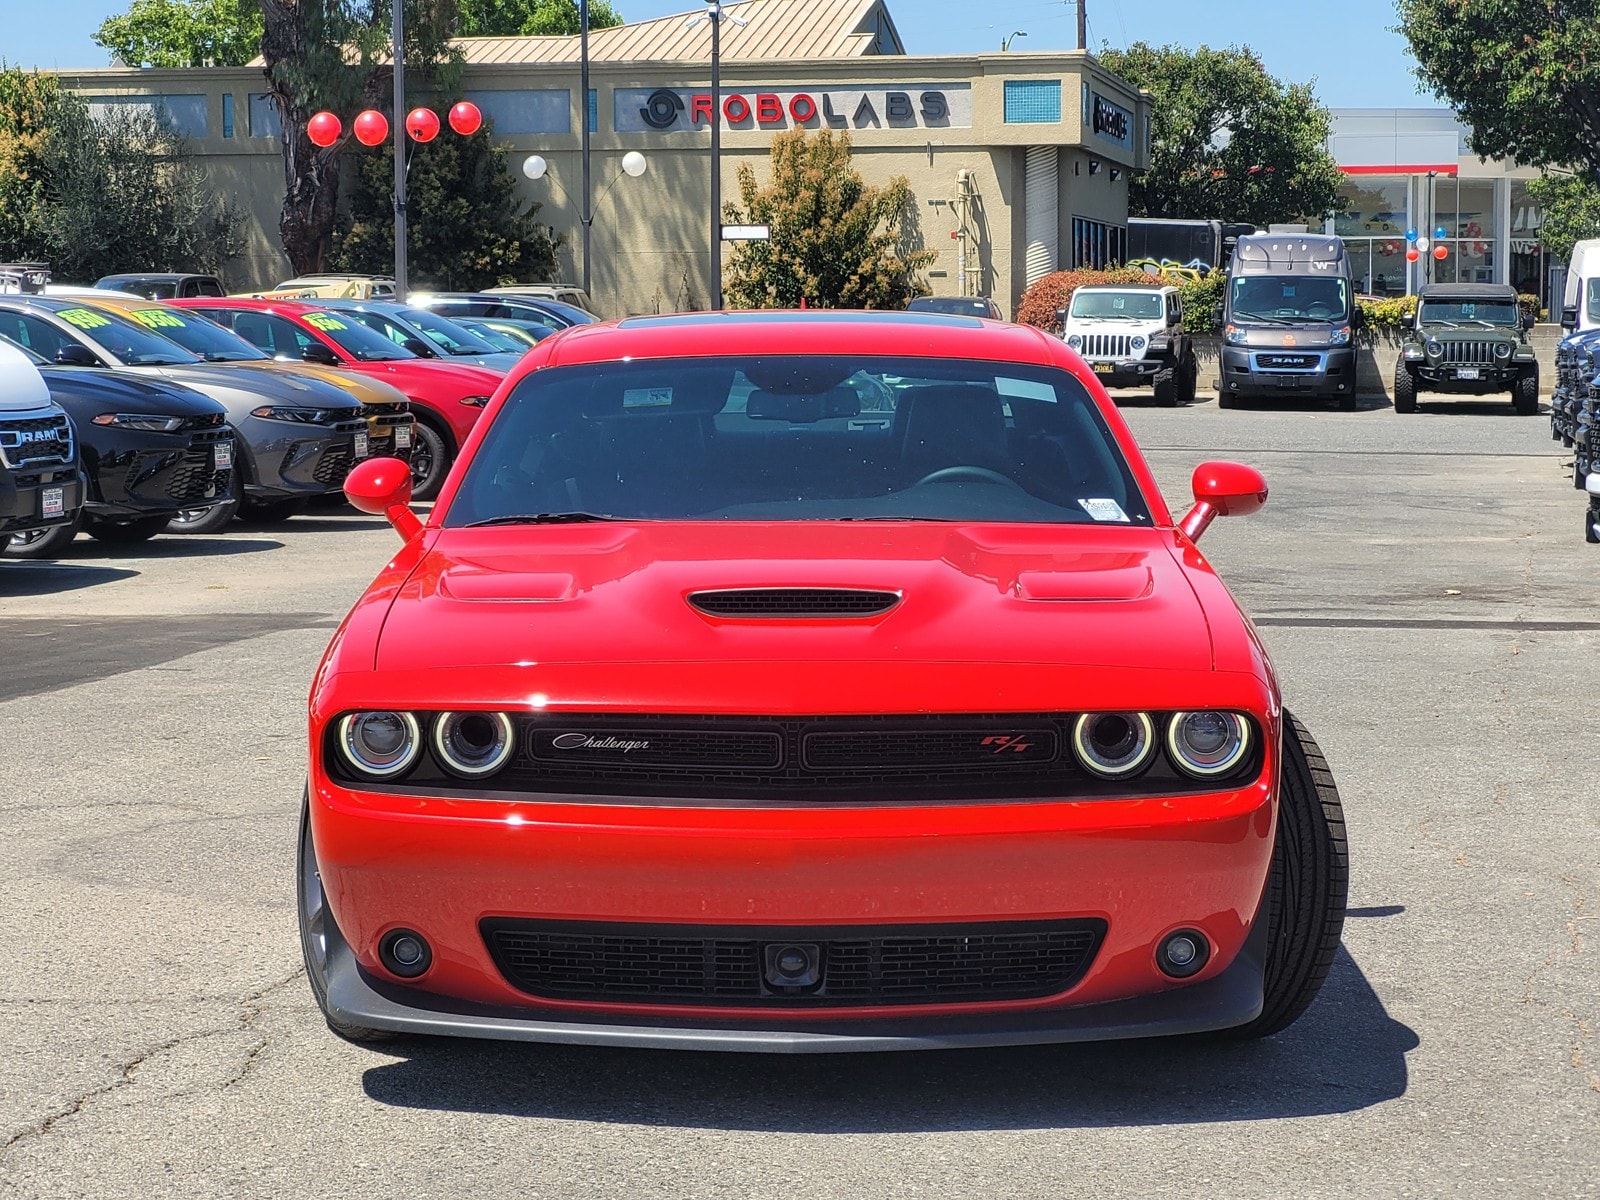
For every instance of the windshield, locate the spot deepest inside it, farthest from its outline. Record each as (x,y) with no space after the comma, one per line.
(447,335)
(500,338)
(1471,312)
(1275,299)
(355,339)
(131,345)
(1099,306)
(800,438)
(197,335)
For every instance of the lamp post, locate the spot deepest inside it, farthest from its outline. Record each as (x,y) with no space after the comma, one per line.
(397,35)
(716,153)
(587,210)
(1005,43)
(634,165)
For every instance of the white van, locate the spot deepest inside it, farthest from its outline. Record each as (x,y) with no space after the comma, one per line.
(1580,308)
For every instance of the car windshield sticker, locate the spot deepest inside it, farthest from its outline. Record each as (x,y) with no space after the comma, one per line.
(1025,389)
(325,321)
(1118,303)
(656,397)
(1104,510)
(157,318)
(83,318)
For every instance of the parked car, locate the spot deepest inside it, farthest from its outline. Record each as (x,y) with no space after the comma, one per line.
(163,285)
(569,294)
(151,449)
(506,333)
(481,304)
(426,334)
(390,428)
(446,397)
(296,438)
(709,711)
(41,480)
(1133,337)
(330,286)
(957,306)
(1467,339)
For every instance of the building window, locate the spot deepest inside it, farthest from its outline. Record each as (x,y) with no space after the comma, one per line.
(264,119)
(1098,244)
(594,111)
(227,114)
(1033,101)
(542,110)
(185,115)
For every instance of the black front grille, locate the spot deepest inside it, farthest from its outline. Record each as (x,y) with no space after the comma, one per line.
(196,478)
(727,966)
(1468,354)
(794,602)
(36,440)
(582,744)
(1287,362)
(334,464)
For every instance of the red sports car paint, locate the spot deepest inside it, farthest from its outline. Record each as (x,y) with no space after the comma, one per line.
(996,618)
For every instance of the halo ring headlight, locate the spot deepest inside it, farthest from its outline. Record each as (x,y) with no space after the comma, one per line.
(1114,745)
(380,744)
(473,744)
(1207,743)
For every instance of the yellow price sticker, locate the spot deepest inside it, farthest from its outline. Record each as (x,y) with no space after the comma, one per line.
(325,321)
(157,318)
(83,318)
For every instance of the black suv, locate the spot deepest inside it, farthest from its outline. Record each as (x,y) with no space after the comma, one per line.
(41,482)
(1467,339)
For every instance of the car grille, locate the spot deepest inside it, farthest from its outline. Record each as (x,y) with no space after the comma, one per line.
(196,478)
(36,440)
(1106,345)
(794,602)
(859,965)
(1468,354)
(334,464)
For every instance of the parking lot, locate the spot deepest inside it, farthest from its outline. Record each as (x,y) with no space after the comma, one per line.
(1426,591)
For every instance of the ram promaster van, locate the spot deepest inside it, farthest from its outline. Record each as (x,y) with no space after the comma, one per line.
(1289,320)
(1580,307)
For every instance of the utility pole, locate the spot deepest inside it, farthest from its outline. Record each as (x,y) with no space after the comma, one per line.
(716,155)
(1083,24)
(587,216)
(397,33)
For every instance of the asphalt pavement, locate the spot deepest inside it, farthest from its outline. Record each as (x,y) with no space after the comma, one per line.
(1424,586)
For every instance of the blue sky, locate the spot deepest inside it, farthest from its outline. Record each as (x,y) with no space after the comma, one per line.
(1356,61)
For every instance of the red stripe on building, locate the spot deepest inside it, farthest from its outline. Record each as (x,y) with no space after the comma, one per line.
(1405,169)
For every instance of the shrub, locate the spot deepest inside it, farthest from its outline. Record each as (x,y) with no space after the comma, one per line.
(1200,299)
(1040,302)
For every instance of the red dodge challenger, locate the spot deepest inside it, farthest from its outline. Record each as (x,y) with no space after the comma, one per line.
(809,682)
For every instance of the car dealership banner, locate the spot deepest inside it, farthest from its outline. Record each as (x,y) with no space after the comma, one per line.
(914,106)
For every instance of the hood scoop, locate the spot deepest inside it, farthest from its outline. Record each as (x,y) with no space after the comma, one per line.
(793,603)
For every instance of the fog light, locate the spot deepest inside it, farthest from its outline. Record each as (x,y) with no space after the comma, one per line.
(405,953)
(793,966)
(1183,954)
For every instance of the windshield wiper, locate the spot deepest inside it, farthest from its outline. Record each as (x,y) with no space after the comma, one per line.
(559,518)
(1250,316)
(1439,321)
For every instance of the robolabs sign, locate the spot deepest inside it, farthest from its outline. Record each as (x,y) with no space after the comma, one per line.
(942,106)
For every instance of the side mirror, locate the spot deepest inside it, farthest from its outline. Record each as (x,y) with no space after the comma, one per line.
(1222,489)
(1217,313)
(316,352)
(1358,318)
(382,486)
(1408,321)
(419,347)
(1569,318)
(1528,322)
(74,355)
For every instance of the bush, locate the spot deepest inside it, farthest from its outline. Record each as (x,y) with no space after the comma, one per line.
(1200,300)
(1041,301)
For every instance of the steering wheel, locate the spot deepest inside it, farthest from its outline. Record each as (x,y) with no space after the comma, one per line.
(978,474)
(1319,311)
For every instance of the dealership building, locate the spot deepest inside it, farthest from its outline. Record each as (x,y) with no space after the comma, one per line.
(1018,163)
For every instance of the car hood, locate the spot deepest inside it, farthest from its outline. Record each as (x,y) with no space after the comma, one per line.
(246,383)
(352,385)
(88,391)
(548,596)
(432,377)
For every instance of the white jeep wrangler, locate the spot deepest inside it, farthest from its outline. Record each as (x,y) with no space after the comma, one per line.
(1132,336)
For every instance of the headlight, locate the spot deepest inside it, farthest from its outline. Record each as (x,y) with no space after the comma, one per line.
(1434,347)
(473,744)
(1114,745)
(474,401)
(1075,341)
(1234,335)
(1137,343)
(1208,744)
(286,412)
(146,421)
(1502,350)
(1340,337)
(380,744)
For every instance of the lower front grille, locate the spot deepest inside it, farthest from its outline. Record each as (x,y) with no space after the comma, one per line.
(696,965)
(196,478)
(335,464)
(1468,354)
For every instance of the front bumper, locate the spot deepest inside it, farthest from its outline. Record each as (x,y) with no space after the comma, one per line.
(1469,381)
(136,473)
(1252,371)
(289,459)
(1126,372)
(26,494)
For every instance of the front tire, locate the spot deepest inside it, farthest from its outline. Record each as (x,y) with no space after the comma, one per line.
(316,920)
(42,543)
(1166,387)
(1525,394)
(430,461)
(1405,391)
(1227,400)
(1188,378)
(1307,888)
(204,520)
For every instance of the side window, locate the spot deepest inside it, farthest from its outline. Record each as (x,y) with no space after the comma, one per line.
(40,336)
(287,337)
(208,287)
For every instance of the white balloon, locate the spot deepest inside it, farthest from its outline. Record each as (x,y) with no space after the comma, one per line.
(534,166)
(1422,244)
(634,163)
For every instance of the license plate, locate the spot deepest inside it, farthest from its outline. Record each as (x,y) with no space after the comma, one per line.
(222,456)
(1467,373)
(1104,368)
(53,502)
(402,437)
(361,445)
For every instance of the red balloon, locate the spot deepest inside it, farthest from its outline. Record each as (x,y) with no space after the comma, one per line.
(371,127)
(1412,254)
(465,118)
(1441,251)
(422,124)
(323,129)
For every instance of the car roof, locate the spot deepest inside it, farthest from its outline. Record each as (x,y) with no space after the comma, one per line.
(152,277)
(820,331)
(1467,291)
(1125,287)
(292,308)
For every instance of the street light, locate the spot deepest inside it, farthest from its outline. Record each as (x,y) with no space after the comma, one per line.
(1005,43)
(714,11)
(634,165)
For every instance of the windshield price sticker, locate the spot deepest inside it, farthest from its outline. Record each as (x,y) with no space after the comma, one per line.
(83,318)
(1102,509)
(157,318)
(657,397)
(325,321)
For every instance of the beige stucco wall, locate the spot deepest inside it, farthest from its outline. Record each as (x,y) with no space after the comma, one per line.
(651,236)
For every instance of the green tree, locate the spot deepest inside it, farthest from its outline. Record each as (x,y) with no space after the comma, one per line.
(530,18)
(28,102)
(835,242)
(184,33)
(1525,77)
(466,228)
(1571,207)
(1228,141)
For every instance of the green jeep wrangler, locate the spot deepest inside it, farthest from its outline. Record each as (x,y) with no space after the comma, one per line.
(1467,339)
